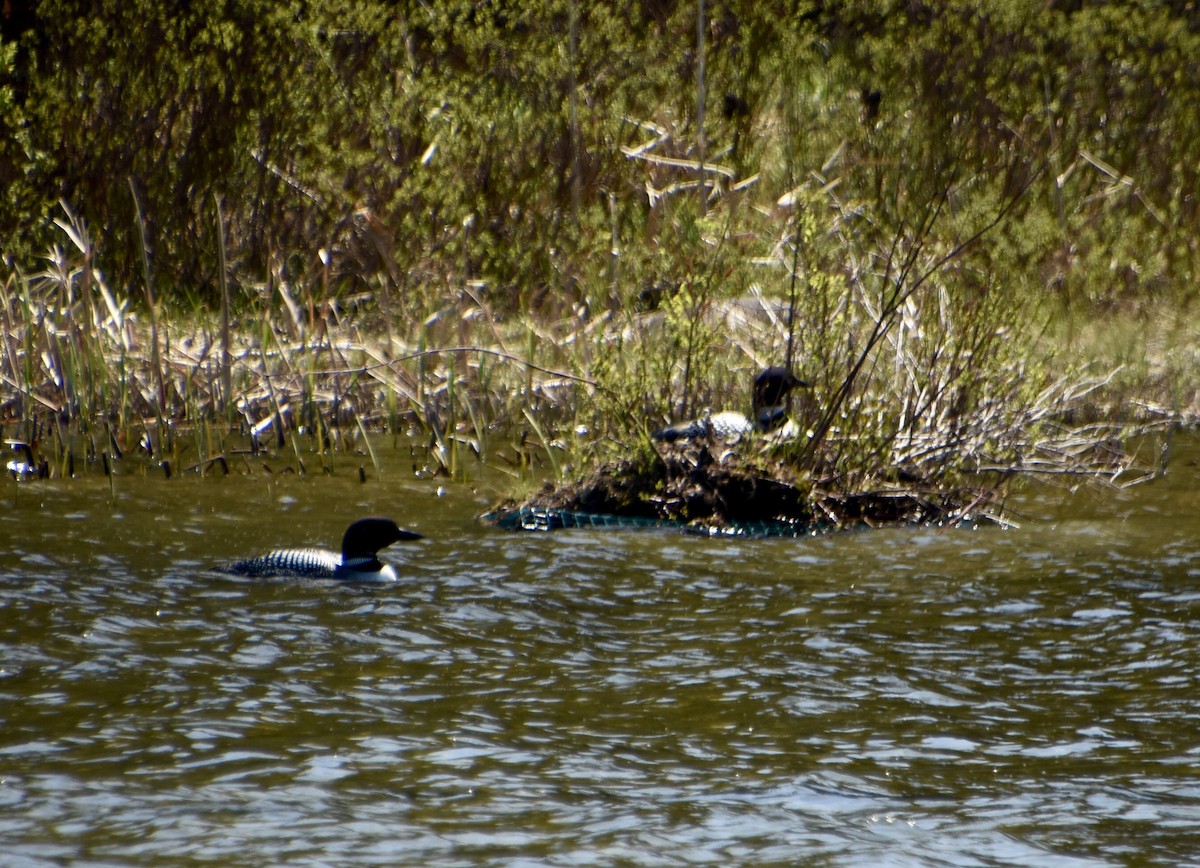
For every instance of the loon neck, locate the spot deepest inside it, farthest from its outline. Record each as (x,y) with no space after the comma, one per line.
(771,418)
(772,397)
(368,570)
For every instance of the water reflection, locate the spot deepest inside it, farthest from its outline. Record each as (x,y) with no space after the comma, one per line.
(891,698)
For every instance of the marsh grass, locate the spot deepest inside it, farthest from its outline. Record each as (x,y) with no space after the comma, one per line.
(926,365)
(1151,351)
(86,369)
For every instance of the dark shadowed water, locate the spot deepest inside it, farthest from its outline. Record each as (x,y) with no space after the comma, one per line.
(1025,697)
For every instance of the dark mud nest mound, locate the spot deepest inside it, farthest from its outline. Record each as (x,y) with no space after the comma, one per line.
(686,487)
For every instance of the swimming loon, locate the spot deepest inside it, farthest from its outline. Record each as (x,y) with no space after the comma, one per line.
(770,402)
(358,562)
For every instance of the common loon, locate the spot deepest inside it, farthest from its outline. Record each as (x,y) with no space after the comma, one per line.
(770,403)
(358,562)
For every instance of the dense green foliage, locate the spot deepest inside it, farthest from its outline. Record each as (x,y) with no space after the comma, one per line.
(900,187)
(428,144)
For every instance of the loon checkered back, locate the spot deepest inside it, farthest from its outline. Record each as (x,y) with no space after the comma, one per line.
(309,563)
(358,561)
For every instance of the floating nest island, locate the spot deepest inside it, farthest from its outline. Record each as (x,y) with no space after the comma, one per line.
(705,488)
(779,482)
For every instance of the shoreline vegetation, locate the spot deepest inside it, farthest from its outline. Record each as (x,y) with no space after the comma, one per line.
(532,239)
(85,386)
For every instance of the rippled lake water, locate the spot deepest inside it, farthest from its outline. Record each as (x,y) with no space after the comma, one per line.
(1023,697)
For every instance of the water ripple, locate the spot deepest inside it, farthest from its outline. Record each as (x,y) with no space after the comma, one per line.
(893,698)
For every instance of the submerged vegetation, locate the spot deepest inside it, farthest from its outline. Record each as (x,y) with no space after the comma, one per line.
(537,231)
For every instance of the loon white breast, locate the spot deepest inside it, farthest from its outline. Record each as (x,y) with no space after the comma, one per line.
(770,398)
(358,562)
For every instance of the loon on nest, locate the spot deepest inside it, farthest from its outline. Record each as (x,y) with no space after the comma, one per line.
(358,562)
(770,402)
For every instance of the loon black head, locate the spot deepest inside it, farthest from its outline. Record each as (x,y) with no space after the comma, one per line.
(363,540)
(772,389)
